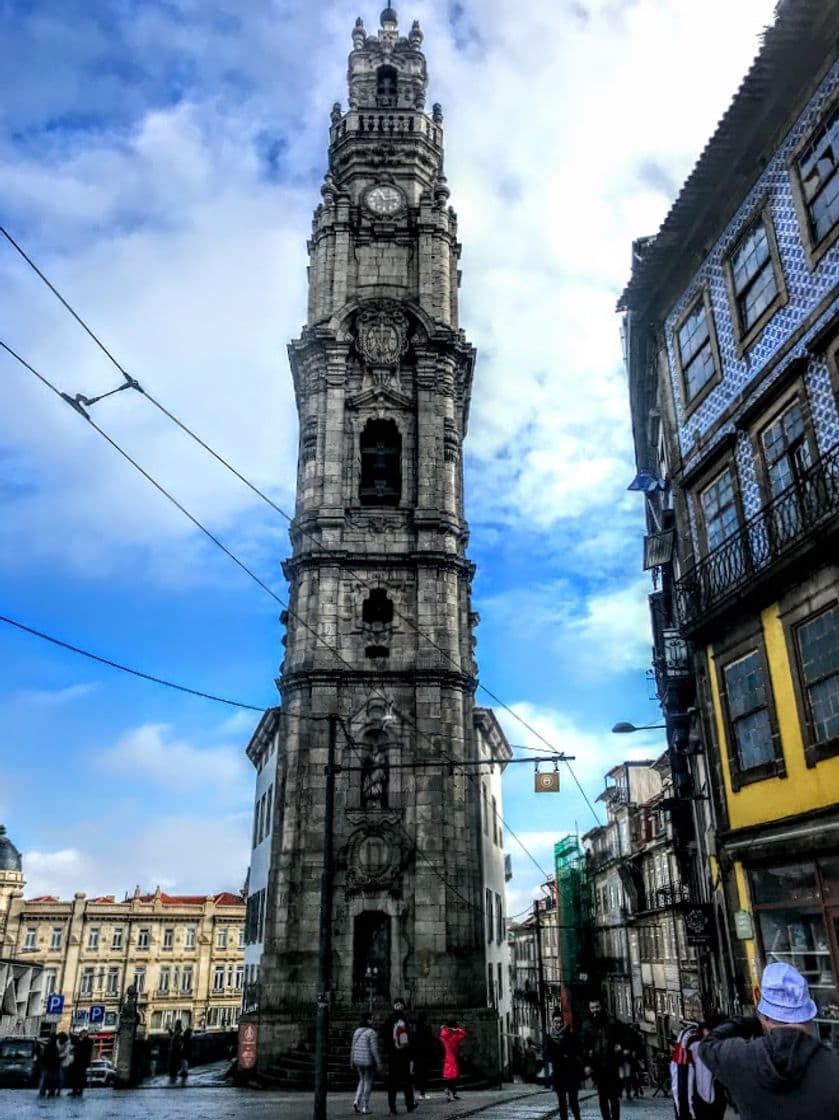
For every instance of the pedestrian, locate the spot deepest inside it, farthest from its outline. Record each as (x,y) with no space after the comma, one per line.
(186,1055)
(82,1054)
(451,1036)
(65,1058)
(773,1064)
(682,1074)
(562,1049)
(364,1058)
(50,1081)
(708,1101)
(398,1039)
(602,1045)
(424,1044)
(176,1050)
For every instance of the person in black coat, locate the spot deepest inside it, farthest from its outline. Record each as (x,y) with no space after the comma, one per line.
(82,1054)
(398,1044)
(562,1049)
(603,1053)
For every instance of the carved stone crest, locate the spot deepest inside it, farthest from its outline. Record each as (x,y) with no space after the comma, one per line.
(374,857)
(382,334)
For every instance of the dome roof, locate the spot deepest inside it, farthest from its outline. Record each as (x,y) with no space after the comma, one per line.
(389,15)
(9,855)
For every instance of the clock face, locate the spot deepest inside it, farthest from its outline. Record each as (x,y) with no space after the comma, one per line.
(384,199)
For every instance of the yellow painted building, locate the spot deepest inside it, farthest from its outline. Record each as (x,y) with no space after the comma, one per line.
(183,953)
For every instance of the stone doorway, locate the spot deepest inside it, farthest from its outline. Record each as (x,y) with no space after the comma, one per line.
(371,957)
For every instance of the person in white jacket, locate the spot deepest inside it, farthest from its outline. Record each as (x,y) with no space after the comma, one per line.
(364,1057)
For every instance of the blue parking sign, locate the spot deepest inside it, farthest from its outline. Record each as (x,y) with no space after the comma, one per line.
(97,1015)
(55,1004)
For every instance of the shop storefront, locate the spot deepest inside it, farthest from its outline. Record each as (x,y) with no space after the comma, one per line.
(796,911)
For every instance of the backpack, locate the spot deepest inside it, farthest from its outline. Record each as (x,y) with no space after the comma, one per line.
(401,1037)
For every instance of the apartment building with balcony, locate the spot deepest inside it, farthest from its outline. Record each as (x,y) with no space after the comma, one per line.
(732,343)
(183,954)
(646,964)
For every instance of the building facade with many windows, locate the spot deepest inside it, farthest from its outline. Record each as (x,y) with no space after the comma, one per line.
(732,339)
(183,954)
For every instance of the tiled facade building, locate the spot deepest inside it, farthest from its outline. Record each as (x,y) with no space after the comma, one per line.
(183,954)
(732,340)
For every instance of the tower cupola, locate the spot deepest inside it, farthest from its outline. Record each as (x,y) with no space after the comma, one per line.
(10,859)
(387,70)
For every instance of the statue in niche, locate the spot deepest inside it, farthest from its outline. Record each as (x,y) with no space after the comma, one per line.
(374,773)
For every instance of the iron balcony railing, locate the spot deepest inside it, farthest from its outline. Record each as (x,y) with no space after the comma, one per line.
(799,510)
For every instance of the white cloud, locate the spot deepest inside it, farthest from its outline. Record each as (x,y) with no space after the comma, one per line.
(51,698)
(190,260)
(182,854)
(152,753)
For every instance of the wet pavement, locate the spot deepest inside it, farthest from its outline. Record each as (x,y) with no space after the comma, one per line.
(206,1100)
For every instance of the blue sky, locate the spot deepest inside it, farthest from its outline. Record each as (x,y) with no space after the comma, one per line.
(161,162)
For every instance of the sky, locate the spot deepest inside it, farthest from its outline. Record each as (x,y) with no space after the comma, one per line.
(160,161)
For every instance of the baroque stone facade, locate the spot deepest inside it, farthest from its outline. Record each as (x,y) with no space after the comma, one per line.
(380,625)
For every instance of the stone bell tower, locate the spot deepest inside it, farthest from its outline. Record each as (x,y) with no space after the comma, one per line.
(380,625)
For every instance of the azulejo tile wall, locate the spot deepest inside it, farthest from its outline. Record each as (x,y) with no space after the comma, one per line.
(806,288)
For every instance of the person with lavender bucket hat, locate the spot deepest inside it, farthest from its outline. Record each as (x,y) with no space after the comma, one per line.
(773,1065)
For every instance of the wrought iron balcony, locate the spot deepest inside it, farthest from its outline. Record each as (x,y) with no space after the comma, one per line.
(665,897)
(772,534)
(599,858)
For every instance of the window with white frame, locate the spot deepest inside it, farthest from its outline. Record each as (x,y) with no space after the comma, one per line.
(143,938)
(697,357)
(140,979)
(165,981)
(754,281)
(221,939)
(93,937)
(86,984)
(189,937)
(117,937)
(168,939)
(186,978)
(218,978)
(56,936)
(30,938)
(818,172)
(112,983)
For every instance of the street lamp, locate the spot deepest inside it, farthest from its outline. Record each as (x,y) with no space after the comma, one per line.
(624,728)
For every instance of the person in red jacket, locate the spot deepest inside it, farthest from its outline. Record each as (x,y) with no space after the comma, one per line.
(451,1036)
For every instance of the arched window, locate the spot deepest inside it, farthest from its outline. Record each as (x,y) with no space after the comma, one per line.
(381,466)
(386,87)
(377,607)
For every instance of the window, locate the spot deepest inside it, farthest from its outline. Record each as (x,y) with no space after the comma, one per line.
(30,938)
(168,938)
(221,939)
(486,811)
(142,939)
(112,983)
(189,937)
(165,978)
(488,908)
(490,985)
(93,937)
(697,350)
(817,175)
(386,87)
(140,979)
(186,978)
(818,658)
(240,938)
(381,469)
(495,828)
(269,798)
(752,738)
(116,938)
(754,278)
(499,919)
(719,509)
(218,978)
(239,977)
(377,608)
(786,451)
(55,938)
(500,981)
(50,980)
(86,985)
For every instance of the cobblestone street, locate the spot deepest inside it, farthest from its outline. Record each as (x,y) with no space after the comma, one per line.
(512,1103)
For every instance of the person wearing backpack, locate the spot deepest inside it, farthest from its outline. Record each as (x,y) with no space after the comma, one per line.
(364,1057)
(398,1040)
